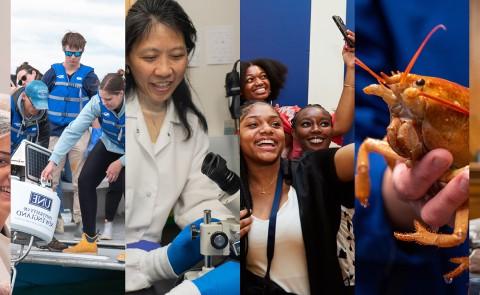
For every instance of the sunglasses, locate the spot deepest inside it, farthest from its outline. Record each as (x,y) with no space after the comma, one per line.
(75,53)
(22,80)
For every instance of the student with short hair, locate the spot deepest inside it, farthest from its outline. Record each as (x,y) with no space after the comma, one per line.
(71,85)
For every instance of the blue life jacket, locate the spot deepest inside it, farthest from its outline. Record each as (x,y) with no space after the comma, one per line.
(21,127)
(68,97)
(113,126)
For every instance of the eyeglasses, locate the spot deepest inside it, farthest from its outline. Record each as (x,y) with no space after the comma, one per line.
(75,53)
(22,80)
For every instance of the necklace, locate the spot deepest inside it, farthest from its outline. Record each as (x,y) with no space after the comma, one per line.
(154,122)
(263,191)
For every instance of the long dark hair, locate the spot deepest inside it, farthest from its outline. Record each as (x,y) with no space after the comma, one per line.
(246,197)
(246,201)
(141,17)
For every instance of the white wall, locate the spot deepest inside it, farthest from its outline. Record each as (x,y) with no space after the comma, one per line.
(208,80)
(5,48)
(326,63)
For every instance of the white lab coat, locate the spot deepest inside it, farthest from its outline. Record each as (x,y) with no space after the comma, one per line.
(160,177)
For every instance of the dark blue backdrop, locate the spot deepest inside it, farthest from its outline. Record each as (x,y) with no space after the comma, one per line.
(279,29)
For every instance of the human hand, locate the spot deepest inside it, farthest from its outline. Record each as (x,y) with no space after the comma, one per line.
(13,87)
(245,222)
(410,185)
(48,171)
(348,53)
(224,279)
(113,170)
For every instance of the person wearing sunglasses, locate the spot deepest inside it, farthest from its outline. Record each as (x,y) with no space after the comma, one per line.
(71,85)
(24,74)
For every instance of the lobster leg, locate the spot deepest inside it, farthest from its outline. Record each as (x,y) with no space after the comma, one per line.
(463,266)
(421,235)
(362,177)
(425,237)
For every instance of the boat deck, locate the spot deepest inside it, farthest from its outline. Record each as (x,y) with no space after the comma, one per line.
(108,250)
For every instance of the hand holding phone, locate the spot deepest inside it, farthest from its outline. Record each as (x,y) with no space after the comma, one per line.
(343,29)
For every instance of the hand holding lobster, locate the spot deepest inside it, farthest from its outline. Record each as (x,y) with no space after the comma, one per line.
(428,115)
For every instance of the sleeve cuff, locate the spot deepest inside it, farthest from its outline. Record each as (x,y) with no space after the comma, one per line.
(185,288)
(144,268)
(55,159)
(157,266)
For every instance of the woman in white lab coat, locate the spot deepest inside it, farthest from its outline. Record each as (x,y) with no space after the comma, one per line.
(166,143)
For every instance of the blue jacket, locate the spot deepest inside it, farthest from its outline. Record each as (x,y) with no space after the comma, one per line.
(34,129)
(67,98)
(113,126)
(74,131)
(388,33)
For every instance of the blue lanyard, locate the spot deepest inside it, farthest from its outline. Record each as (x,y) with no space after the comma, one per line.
(273,223)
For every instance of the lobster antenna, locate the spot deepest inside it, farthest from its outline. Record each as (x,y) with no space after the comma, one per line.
(449,104)
(366,68)
(419,50)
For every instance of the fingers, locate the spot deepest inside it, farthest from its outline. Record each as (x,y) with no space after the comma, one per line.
(244,231)
(111,177)
(245,223)
(413,183)
(46,174)
(439,210)
(244,213)
(114,177)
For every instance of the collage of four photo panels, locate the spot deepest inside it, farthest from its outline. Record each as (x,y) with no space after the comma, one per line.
(239,147)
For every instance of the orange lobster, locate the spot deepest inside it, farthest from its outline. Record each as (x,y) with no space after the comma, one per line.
(425,113)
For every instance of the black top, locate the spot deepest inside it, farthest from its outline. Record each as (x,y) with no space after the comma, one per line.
(320,195)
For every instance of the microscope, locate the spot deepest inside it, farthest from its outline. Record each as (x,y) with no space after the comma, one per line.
(219,238)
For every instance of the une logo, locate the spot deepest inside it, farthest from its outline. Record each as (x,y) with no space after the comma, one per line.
(40,201)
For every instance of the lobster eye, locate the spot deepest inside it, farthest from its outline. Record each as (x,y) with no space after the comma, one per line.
(420,82)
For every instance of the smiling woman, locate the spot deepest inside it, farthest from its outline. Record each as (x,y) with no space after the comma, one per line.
(295,210)
(166,142)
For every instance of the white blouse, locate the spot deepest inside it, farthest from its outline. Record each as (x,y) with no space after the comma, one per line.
(289,264)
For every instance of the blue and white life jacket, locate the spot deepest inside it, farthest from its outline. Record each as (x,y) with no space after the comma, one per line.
(113,126)
(68,97)
(21,127)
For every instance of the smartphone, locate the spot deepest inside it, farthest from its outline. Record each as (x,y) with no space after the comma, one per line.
(343,29)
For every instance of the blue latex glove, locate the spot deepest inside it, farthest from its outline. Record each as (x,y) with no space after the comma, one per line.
(183,253)
(94,137)
(224,279)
